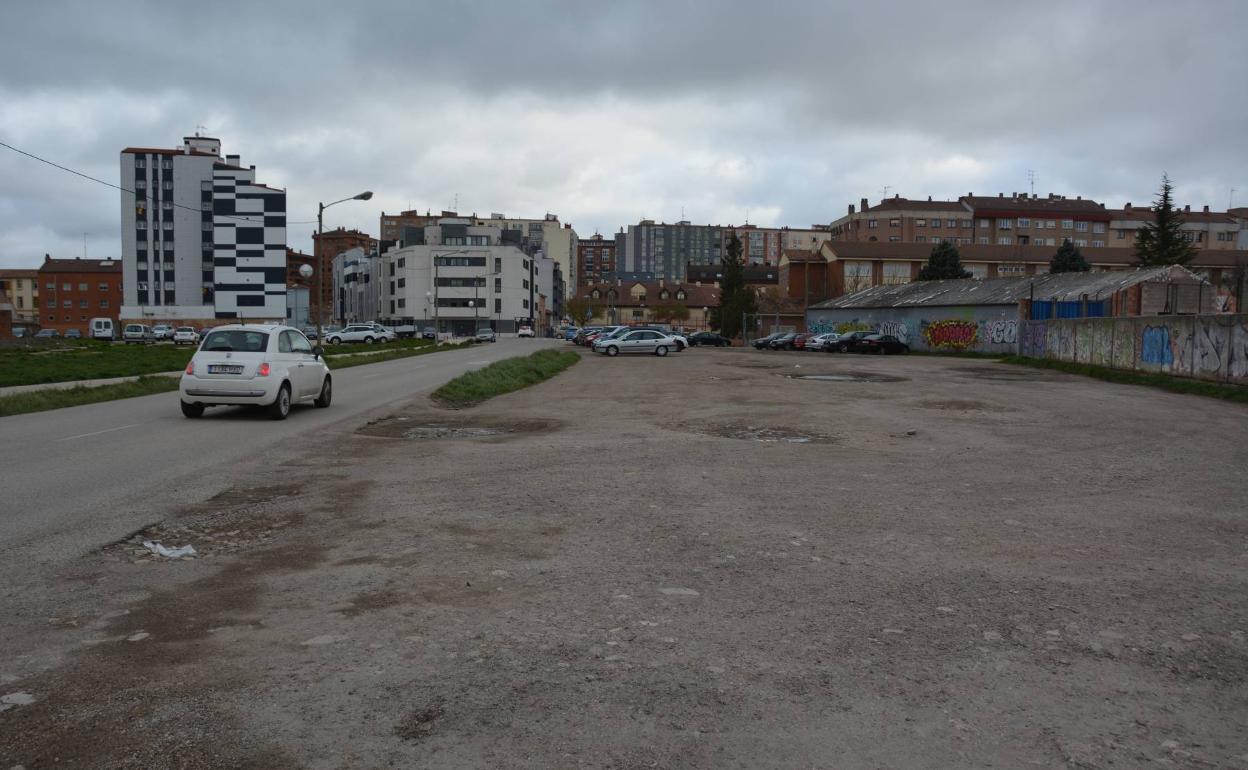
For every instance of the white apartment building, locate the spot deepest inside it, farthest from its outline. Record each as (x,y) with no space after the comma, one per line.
(463,275)
(202,241)
(358,286)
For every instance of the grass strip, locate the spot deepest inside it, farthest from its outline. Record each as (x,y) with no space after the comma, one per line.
(88,360)
(57,398)
(332,351)
(1225,391)
(504,376)
(339,361)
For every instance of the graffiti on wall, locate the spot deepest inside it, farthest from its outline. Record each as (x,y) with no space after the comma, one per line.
(896,328)
(1001,332)
(954,335)
(1034,339)
(1155,346)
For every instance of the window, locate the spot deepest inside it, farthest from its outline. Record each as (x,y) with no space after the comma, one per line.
(167,186)
(50,286)
(1122,234)
(402,283)
(461,261)
(66,286)
(983,240)
(896,273)
(140,225)
(983,224)
(1067,224)
(921,222)
(872,224)
(205,226)
(894,222)
(83,304)
(1005,240)
(1005,224)
(140,184)
(51,303)
(1098,227)
(498,306)
(1081,227)
(67,303)
(478,240)
(82,287)
(168,285)
(935,222)
(1098,243)
(978,272)
(1023,222)
(402,262)
(103,287)
(454,241)
(857,275)
(894,239)
(1011,269)
(498,284)
(167,225)
(1081,242)
(920,239)
(951,223)
(203,206)
(140,162)
(525,304)
(103,303)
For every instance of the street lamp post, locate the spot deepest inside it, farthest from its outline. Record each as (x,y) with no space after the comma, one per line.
(320,262)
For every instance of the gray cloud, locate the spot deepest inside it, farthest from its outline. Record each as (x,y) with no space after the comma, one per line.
(604,113)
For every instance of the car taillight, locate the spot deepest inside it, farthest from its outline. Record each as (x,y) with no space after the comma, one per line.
(263,371)
(190,367)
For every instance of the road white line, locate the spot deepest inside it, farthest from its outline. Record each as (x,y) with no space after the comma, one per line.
(98,432)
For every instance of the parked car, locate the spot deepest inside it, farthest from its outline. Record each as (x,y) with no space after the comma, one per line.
(763,343)
(583,334)
(847,343)
(681,340)
(47,334)
(636,341)
(783,342)
(486,334)
(259,365)
(799,342)
(570,333)
(73,334)
(428,333)
(709,339)
(102,329)
(366,333)
(185,335)
(138,334)
(524,331)
(162,332)
(821,341)
(882,344)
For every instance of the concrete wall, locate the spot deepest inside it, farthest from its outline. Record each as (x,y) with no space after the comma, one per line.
(985,328)
(1212,347)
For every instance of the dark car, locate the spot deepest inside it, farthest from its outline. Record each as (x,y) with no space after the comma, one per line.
(709,338)
(783,342)
(848,343)
(762,343)
(428,333)
(881,344)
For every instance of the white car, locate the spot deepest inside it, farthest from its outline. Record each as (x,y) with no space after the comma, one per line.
(637,341)
(821,341)
(162,331)
(185,335)
(366,333)
(255,365)
(524,331)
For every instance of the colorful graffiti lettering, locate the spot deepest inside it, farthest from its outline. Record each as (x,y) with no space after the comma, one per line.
(1155,346)
(958,335)
(852,326)
(1001,332)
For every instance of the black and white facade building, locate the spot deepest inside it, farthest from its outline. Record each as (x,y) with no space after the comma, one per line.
(201,239)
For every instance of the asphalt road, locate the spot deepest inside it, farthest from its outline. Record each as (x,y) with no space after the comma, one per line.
(80,477)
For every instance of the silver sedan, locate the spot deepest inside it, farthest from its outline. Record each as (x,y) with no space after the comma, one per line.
(639,341)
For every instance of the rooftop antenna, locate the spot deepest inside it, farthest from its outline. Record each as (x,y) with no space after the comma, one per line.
(199,129)
(747,216)
(682,213)
(1031,178)
(84,245)
(884,192)
(1230,203)
(455,205)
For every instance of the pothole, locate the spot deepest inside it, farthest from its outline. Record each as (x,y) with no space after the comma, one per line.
(415,428)
(763,434)
(847,377)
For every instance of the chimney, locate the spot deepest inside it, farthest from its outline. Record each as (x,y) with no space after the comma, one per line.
(851,208)
(1000,195)
(896,196)
(1187,209)
(1078,197)
(1127,207)
(865,205)
(1206,209)
(929,199)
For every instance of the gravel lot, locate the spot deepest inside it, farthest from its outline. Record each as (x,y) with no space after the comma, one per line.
(689,562)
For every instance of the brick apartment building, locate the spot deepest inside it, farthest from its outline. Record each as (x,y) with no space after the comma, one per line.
(392,225)
(594,257)
(73,291)
(6,316)
(22,289)
(324,248)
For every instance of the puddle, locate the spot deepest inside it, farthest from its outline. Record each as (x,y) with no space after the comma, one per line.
(847,377)
(763,434)
(415,428)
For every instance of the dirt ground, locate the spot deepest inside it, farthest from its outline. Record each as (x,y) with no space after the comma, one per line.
(692,562)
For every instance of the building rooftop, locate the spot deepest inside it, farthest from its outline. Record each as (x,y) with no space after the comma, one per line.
(1113,256)
(78,265)
(1006,291)
(1052,205)
(897,203)
(695,295)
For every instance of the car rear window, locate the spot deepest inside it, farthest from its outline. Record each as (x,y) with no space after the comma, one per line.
(239,340)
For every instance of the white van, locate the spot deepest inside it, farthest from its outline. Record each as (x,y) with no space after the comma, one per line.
(139,334)
(102,329)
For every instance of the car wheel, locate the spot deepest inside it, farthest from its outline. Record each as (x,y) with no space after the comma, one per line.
(612,351)
(335,340)
(368,340)
(660,351)
(843,348)
(327,393)
(192,410)
(883,351)
(280,407)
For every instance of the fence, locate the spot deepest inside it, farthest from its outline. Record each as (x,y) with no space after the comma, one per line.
(1209,347)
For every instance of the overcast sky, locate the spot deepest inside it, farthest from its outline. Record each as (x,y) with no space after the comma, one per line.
(605,113)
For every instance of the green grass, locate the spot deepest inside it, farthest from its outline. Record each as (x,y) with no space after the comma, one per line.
(391,352)
(1237,393)
(504,376)
(332,351)
(57,398)
(88,360)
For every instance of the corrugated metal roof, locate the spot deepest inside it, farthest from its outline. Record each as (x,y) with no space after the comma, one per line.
(1007,291)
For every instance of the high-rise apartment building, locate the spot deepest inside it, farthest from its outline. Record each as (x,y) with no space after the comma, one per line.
(664,250)
(201,238)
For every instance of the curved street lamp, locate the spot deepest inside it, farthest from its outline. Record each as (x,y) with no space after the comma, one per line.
(320,263)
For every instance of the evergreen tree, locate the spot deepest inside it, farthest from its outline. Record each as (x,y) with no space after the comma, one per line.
(1068,259)
(735,297)
(944,262)
(1161,242)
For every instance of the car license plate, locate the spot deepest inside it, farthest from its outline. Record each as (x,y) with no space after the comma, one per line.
(224,369)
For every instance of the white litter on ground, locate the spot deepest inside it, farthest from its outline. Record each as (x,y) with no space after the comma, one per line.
(169,553)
